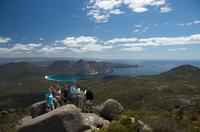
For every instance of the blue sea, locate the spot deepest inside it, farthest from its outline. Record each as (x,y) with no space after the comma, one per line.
(145,67)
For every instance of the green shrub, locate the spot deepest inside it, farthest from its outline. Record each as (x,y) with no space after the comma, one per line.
(117,127)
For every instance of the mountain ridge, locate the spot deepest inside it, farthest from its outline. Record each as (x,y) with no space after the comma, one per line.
(18,70)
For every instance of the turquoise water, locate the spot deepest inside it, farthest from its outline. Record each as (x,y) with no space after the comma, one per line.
(145,68)
(67,78)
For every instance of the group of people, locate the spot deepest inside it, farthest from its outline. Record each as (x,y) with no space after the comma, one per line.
(73,94)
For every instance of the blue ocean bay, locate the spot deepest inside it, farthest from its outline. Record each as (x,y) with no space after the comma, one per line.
(145,67)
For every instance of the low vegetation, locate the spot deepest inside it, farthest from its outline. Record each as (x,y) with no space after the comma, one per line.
(158,120)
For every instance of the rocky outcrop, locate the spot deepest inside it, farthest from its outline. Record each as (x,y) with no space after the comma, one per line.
(63,119)
(68,118)
(93,120)
(38,108)
(110,109)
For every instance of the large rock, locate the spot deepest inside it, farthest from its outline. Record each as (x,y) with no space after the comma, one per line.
(93,120)
(63,119)
(110,109)
(38,108)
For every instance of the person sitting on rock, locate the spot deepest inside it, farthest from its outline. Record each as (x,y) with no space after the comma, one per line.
(89,99)
(66,94)
(50,99)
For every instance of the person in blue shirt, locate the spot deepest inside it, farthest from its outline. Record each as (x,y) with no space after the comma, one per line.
(73,89)
(50,99)
(74,94)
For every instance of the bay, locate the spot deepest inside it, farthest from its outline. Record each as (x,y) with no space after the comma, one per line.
(145,67)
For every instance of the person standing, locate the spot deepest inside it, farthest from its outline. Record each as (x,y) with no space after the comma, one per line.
(82,98)
(58,95)
(89,99)
(73,93)
(49,99)
(77,94)
(66,94)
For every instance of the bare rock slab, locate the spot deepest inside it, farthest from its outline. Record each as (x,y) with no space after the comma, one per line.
(38,108)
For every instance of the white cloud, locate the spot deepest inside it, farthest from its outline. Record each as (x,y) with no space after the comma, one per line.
(145,29)
(106,4)
(136,30)
(78,41)
(101,10)
(24,47)
(156,41)
(133,49)
(143,4)
(138,25)
(51,50)
(84,44)
(172,49)
(181,24)
(189,23)
(41,39)
(176,49)
(195,22)
(20,48)
(91,47)
(98,16)
(183,48)
(116,12)
(121,40)
(4,39)
(140,9)
(95,47)
(165,9)
(141,30)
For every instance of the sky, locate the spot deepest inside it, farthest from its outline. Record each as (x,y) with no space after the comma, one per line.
(103,29)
